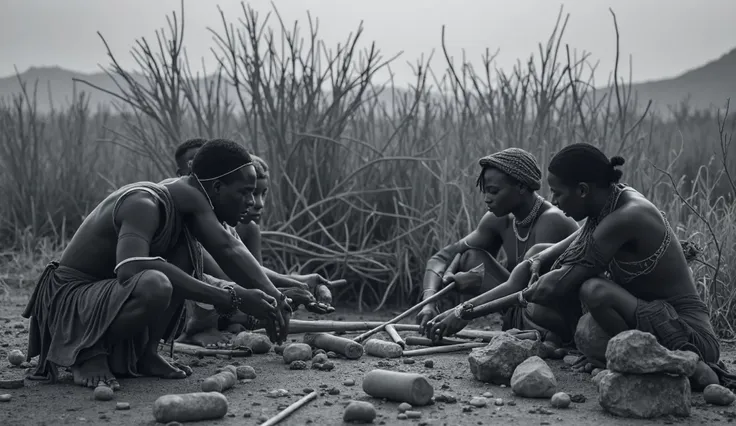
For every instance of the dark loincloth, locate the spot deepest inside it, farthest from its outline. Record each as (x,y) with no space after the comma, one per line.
(683,323)
(71,311)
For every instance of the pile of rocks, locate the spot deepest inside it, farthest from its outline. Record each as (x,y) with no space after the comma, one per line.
(643,379)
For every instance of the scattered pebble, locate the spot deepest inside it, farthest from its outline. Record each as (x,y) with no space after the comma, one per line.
(245,372)
(588,368)
(103,393)
(278,349)
(402,416)
(334,391)
(511,403)
(578,398)
(262,418)
(404,406)
(560,400)
(247,414)
(718,395)
(487,395)
(479,402)
(443,397)
(16,357)
(320,358)
(595,371)
(349,382)
(570,359)
(6,397)
(277,393)
(409,361)
(122,406)
(331,354)
(429,363)
(503,386)
(173,424)
(498,402)
(307,390)
(298,365)
(359,411)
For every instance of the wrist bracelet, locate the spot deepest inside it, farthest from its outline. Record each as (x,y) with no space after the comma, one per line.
(461,308)
(522,301)
(235,302)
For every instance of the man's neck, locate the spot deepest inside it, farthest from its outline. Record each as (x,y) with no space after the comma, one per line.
(598,203)
(524,208)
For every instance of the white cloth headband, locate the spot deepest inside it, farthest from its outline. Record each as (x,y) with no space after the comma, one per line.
(225,174)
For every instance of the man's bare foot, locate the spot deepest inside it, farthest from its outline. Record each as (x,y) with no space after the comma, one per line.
(236,328)
(154,365)
(211,338)
(585,364)
(93,371)
(703,376)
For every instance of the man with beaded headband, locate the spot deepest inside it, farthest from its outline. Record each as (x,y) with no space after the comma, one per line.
(119,286)
(625,264)
(518,220)
(203,326)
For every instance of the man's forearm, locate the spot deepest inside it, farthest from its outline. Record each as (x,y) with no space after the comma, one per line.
(281,280)
(241,267)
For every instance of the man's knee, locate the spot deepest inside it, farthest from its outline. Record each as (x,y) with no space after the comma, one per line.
(596,292)
(154,288)
(536,249)
(472,258)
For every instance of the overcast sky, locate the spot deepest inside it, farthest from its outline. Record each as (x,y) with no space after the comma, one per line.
(665,37)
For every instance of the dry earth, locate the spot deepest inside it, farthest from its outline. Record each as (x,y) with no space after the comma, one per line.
(65,403)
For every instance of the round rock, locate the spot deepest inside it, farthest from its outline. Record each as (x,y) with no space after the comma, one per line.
(404,406)
(103,393)
(349,382)
(122,406)
(718,395)
(478,401)
(297,352)
(258,343)
(16,357)
(560,400)
(245,372)
(359,412)
(6,397)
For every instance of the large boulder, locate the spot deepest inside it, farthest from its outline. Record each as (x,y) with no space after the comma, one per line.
(496,362)
(638,352)
(533,379)
(644,396)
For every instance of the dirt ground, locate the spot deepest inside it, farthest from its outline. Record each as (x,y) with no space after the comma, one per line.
(65,403)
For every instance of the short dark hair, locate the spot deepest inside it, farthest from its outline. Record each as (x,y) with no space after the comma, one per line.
(187,145)
(262,171)
(219,156)
(583,162)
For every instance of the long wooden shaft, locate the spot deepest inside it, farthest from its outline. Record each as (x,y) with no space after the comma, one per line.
(423,341)
(493,306)
(450,270)
(394,335)
(289,410)
(444,349)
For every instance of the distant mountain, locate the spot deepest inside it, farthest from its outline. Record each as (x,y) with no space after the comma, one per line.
(705,87)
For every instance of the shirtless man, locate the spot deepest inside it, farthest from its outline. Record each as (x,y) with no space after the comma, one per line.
(626,263)
(119,286)
(203,325)
(508,180)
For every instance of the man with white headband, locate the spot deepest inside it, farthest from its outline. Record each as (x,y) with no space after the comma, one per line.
(120,285)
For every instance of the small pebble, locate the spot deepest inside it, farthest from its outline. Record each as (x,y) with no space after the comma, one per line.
(262,418)
(413,414)
(429,363)
(560,400)
(359,411)
(404,406)
(402,416)
(247,414)
(479,402)
(578,398)
(276,393)
(349,382)
(103,393)
(331,354)
(245,372)
(487,395)
(498,402)
(320,358)
(334,391)
(16,357)
(328,366)
(503,386)
(278,349)
(595,372)
(409,361)
(307,390)
(718,395)
(298,365)
(570,359)
(173,424)
(588,368)
(122,406)
(511,403)
(6,397)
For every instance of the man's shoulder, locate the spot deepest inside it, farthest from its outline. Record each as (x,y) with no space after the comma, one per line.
(492,223)
(186,197)
(554,217)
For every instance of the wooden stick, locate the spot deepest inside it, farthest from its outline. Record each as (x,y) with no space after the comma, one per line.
(184,348)
(423,341)
(325,326)
(329,342)
(445,349)
(451,269)
(394,335)
(338,283)
(493,306)
(286,412)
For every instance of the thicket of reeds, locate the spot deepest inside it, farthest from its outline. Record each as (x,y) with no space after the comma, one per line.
(368,179)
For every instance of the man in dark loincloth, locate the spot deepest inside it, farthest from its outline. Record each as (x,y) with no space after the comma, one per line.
(120,284)
(626,263)
(518,220)
(203,325)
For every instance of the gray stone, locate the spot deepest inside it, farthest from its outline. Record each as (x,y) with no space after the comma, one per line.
(591,340)
(560,400)
(644,396)
(359,412)
(297,352)
(638,352)
(533,379)
(258,343)
(496,362)
(718,395)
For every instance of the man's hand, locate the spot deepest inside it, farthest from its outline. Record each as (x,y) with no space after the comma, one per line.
(467,282)
(444,325)
(428,312)
(321,289)
(256,303)
(302,296)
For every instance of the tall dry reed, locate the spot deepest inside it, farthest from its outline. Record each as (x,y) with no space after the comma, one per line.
(368,179)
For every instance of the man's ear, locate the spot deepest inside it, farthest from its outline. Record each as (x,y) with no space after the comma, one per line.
(583,189)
